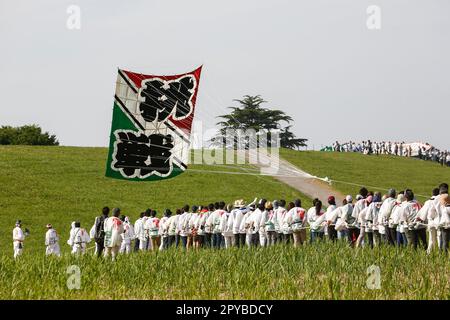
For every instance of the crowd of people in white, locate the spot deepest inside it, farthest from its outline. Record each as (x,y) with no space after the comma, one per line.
(423,151)
(396,219)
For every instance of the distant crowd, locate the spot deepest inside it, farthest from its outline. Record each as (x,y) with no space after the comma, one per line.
(423,151)
(372,219)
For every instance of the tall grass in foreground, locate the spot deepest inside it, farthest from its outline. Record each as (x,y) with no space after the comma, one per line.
(321,271)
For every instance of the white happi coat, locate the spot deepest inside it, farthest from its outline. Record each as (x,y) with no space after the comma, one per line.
(78,239)
(18,238)
(113,227)
(51,243)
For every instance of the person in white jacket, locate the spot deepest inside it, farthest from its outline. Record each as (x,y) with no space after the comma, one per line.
(429,216)
(296,217)
(113,227)
(263,236)
(280,211)
(183,226)
(152,229)
(208,234)
(255,220)
(362,220)
(394,220)
(127,235)
(52,242)
(385,216)
(137,230)
(441,205)
(315,218)
(174,238)
(444,222)
(226,226)
(330,219)
(18,239)
(354,227)
(197,225)
(247,225)
(286,224)
(214,224)
(78,239)
(415,230)
(373,210)
(270,222)
(164,230)
(344,217)
(141,232)
(238,213)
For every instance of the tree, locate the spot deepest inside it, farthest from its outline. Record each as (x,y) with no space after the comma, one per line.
(251,115)
(288,139)
(26,135)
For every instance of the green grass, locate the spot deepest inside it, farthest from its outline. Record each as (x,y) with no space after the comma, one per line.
(58,185)
(311,272)
(377,173)
(61,184)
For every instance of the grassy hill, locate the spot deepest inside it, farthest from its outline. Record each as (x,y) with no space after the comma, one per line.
(61,184)
(58,185)
(377,173)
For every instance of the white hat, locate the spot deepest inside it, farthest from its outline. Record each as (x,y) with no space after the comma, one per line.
(349,198)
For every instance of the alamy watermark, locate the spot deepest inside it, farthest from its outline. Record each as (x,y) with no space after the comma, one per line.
(74,279)
(236,146)
(373,281)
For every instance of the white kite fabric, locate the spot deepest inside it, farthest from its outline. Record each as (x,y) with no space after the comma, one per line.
(151,125)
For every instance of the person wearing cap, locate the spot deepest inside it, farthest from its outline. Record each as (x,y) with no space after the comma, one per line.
(385,216)
(315,217)
(164,230)
(270,221)
(18,239)
(152,229)
(113,234)
(330,218)
(127,235)
(51,242)
(78,238)
(415,231)
(238,214)
(298,220)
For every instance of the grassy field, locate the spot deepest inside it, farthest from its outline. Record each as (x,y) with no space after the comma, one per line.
(377,173)
(61,184)
(58,185)
(311,272)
